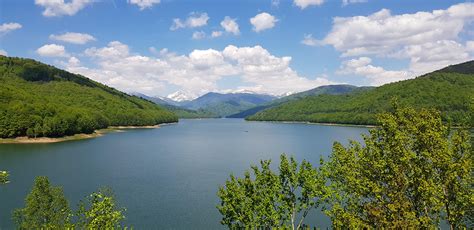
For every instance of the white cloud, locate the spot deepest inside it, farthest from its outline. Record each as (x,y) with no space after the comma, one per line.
(198,35)
(75,38)
(216,34)
(347,2)
(230,25)
(73,61)
(3,52)
(382,32)
(305,3)
(375,74)
(114,50)
(470,46)
(144,4)
(52,50)
(8,27)
(263,21)
(57,8)
(309,40)
(430,40)
(196,73)
(275,3)
(434,55)
(194,20)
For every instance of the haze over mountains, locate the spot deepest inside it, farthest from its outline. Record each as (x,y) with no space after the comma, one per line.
(447,89)
(214,104)
(238,105)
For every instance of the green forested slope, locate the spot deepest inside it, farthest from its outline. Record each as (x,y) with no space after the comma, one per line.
(189,113)
(41,100)
(325,89)
(450,90)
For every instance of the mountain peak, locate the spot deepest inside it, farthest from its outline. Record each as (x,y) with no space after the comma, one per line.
(180,96)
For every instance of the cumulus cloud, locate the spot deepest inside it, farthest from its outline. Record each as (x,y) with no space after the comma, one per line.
(305,3)
(194,20)
(52,50)
(382,32)
(434,55)
(263,21)
(309,40)
(195,73)
(275,3)
(198,35)
(216,34)
(347,2)
(3,52)
(375,74)
(428,39)
(74,38)
(470,46)
(57,8)
(230,25)
(144,4)
(8,27)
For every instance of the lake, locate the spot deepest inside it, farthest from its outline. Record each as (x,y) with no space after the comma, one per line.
(168,177)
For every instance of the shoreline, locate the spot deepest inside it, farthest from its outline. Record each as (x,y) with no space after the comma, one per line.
(318,123)
(75,137)
(289,122)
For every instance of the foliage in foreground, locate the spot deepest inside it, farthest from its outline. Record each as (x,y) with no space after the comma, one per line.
(101,212)
(410,172)
(269,199)
(47,208)
(4,177)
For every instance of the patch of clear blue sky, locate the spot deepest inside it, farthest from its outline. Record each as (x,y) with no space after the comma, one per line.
(110,20)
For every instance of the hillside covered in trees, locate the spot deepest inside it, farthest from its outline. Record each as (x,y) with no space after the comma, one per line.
(449,90)
(40,100)
(325,89)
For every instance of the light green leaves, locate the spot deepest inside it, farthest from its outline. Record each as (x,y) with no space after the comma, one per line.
(45,208)
(101,212)
(4,177)
(408,174)
(269,200)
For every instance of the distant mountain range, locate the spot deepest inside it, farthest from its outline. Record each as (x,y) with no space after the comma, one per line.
(238,105)
(212,104)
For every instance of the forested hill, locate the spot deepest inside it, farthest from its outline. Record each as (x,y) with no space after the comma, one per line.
(40,100)
(325,89)
(450,90)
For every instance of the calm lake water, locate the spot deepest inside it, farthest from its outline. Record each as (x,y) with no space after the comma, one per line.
(167,178)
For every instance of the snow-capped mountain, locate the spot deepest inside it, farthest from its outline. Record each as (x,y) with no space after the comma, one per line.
(180,96)
(284,94)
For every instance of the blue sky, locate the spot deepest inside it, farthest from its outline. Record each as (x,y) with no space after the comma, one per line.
(289,46)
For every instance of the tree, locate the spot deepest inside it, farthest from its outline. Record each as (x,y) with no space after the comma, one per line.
(101,212)
(268,199)
(45,208)
(410,171)
(4,177)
